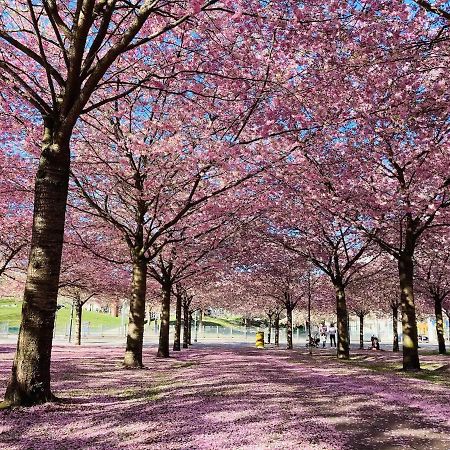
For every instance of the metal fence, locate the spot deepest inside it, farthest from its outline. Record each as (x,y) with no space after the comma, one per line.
(382,328)
(151,332)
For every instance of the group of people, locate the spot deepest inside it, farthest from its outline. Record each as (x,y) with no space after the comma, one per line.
(327,331)
(331,331)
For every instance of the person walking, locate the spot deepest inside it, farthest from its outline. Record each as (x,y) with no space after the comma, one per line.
(332,333)
(323,334)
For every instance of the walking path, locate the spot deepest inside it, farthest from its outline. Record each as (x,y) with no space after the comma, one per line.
(219,397)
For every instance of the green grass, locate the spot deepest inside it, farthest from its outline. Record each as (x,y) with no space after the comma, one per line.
(151,394)
(214,322)
(10,311)
(433,353)
(433,372)
(182,365)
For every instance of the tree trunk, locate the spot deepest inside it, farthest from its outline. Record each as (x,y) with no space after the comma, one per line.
(269,332)
(395,346)
(361,331)
(115,310)
(439,324)
(185,324)
(136,318)
(163,347)
(190,328)
(30,378)
(289,328)
(309,315)
(409,324)
(343,351)
(78,317)
(277,329)
(177,338)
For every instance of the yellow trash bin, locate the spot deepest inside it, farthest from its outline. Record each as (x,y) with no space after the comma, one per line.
(260,339)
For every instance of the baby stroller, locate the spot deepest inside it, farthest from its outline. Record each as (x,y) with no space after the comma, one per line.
(314,340)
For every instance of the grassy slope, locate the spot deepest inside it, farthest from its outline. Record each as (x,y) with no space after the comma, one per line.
(10,312)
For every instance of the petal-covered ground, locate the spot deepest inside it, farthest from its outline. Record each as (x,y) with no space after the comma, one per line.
(235,397)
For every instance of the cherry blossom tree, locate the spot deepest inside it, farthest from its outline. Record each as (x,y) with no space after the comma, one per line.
(16,205)
(152,183)
(84,276)
(433,278)
(61,61)
(154,115)
(316,233)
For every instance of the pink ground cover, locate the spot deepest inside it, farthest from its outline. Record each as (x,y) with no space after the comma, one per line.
(218,397)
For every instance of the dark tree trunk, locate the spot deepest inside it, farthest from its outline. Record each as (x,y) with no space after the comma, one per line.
(136,318)
(439,324)
(277,329)
(163,347)
(395,346)
(190,328)
(361,331)
(409,324)
(309,315)
(78,318)
(269,333)
(185,324)
(289,328)
(343,351)
(177,338)
(30,378)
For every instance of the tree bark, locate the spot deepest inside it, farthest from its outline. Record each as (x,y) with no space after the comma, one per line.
(343,350)
(269,333)
(361,331)
(439,324)
(177,338)
(190,328)
(185,324)
(136,318)
(409,324)
(163,347)
(395,346)
(289,328)
(277,329)
(78,317)
(30,378)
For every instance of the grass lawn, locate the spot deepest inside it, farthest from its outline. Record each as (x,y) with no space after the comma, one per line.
(214,322)
(10,310)
(10,313)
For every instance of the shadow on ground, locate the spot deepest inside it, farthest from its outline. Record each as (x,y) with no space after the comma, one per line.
(214,397)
